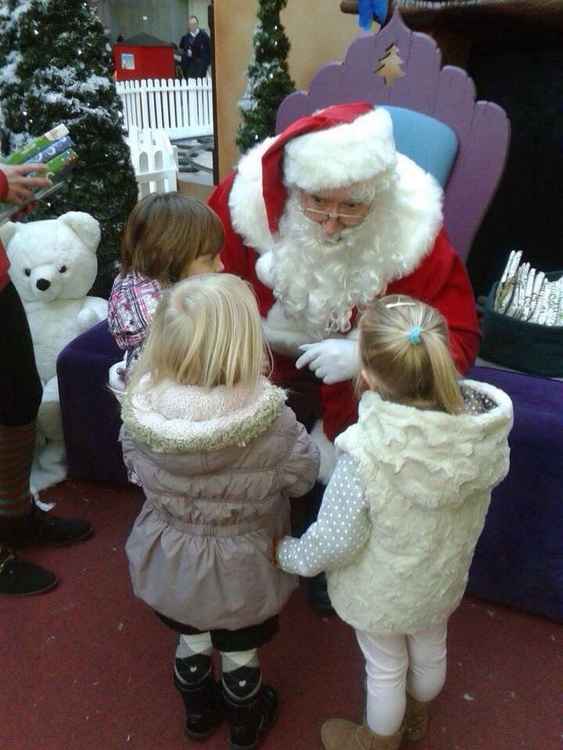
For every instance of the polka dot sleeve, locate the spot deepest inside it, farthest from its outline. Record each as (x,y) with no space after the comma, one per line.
(342,529)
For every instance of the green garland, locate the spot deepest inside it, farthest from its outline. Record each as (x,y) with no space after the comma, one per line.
(268,76)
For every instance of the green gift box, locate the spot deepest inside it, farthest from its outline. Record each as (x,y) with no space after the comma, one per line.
(36,145)
(57,168)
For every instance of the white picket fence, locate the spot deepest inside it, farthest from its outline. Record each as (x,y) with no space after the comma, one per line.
(155,161)
(182,108)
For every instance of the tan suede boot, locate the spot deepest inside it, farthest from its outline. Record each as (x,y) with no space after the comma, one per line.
(416,719)
(338,734)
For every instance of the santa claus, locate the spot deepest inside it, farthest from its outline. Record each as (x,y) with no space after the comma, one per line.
(320,220)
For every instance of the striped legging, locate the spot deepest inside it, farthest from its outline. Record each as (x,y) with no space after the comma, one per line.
(20,397)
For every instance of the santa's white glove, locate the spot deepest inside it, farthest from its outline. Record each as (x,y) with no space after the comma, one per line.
(332,360)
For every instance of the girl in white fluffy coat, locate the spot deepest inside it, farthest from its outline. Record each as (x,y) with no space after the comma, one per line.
(402,514)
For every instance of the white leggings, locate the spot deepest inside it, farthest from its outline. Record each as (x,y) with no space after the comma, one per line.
(397,663)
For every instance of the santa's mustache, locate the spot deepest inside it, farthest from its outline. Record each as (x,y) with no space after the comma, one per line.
(341,239)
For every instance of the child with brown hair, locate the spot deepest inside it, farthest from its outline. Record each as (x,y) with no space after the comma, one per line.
(168,237)
(402,514)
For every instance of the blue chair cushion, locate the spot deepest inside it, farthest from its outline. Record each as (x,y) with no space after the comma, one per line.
(428,142)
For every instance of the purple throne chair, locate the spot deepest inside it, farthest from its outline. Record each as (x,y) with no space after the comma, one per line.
(463,143)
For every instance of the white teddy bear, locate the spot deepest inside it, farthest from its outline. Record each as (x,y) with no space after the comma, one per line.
(53,267)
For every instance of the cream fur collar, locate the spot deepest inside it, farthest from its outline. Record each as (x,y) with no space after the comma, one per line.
(172,418)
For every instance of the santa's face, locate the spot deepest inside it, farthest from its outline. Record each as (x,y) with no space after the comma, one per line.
(334,210)
(321,268)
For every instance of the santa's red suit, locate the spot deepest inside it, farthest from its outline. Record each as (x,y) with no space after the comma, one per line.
(337,147)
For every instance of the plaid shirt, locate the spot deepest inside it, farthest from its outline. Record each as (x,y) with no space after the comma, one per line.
(132,305)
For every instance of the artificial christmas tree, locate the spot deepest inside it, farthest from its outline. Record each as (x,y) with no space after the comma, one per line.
(56,67)
(269,81)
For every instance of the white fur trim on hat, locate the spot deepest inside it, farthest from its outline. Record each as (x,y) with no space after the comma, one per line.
(342,155)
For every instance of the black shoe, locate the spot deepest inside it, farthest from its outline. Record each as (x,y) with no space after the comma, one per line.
(21,578)
(251,719)
(318,597)
(204,706)
(40,527)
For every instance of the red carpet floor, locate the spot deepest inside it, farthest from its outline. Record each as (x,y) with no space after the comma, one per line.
(87,666)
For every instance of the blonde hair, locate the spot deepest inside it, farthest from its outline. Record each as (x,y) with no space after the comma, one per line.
(404,349)
(165,233)
(206,332)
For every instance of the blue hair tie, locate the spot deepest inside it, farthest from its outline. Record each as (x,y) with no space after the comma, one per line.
(415,335)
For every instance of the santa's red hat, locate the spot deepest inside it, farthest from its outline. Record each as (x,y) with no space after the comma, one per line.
(332,148)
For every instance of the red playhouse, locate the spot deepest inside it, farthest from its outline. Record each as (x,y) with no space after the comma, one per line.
(143,56)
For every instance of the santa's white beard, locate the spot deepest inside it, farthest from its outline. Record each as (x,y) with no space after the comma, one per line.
(319,280)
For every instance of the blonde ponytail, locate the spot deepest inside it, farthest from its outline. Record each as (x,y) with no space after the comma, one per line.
(405,354)
(446,392)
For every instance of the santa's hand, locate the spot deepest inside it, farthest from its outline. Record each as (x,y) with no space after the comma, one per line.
(332,360)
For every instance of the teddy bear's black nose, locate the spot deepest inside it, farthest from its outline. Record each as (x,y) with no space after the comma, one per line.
(42,284)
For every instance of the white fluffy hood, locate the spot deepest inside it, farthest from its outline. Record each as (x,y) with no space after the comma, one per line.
(413,203)
(436,459)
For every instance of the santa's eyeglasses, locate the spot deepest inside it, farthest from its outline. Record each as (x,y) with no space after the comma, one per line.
(348,220)
(321,214)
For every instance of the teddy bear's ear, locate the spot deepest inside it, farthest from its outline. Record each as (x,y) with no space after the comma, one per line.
(85,226)
(7,231)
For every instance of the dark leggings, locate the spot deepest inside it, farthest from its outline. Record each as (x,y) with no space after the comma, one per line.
(20,386)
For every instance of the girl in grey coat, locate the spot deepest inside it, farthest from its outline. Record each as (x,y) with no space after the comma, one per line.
(218,455)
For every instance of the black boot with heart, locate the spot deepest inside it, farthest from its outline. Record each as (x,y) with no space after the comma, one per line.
(194,680)
(251,707)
